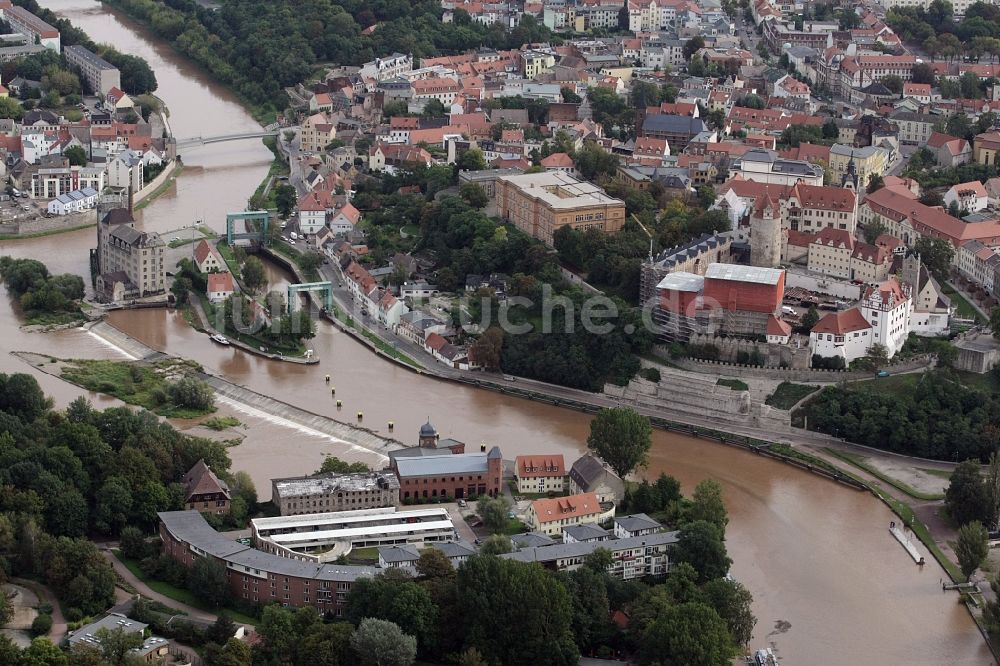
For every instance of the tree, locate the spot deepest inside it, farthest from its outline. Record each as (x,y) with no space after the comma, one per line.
(116,644)
(235,652)
(514,612)
(875,182)
(696,67)
(692,46)
(878,355)
(488,348)
(593,162)
(830,129)
(733,602)
(474,195)
(254,276)
(995,322)
(706,196)
(434,564)
(77,156)
(692,634)
(395,597)
(968,499)
(923,73)
(472,160)
(972,547)
(496,544)
(873,230)
(707,504)
(750,101)
(334,465)
(493,512)
(894,83)
(42,652)
(192,393)
(382,643)
(285,199)
(700,544)
(208,580)
(935,254)
(10,108)
(433,109)
(41,625)
(621,437)
(221,630)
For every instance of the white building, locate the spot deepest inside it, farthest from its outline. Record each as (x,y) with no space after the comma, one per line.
(970,197)
(636,525)
(74,202)
(887,307)
(764,166)
(125,170)
(845,334)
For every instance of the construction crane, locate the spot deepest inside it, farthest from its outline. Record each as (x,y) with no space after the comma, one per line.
(642,226)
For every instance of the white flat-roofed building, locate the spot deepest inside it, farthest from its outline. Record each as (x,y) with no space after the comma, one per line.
(325,536)
(334,492)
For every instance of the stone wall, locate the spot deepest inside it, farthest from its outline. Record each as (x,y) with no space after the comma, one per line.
(154,184)
(789,374)
(41,225)
(774,356)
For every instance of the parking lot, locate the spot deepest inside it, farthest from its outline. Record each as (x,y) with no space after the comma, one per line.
(21,208)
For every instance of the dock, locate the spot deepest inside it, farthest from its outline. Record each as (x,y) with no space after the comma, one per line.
(906,542)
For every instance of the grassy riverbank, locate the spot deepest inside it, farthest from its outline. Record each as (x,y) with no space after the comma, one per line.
(177,170)
(145,385)
(50,232)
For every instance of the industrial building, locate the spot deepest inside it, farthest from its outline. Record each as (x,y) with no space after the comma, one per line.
(334,492)
(322,537)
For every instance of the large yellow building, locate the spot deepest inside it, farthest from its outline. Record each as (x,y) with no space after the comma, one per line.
(540,203)
(986,148)
(868,160)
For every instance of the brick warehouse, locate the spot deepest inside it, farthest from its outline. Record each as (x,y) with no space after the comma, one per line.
(461,476)
(256,576)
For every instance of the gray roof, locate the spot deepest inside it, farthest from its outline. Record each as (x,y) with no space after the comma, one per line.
(454,548)
(402,553)
(564,550)
(465,463)
(322,484)
(636,522)
(682,281)
(586,532)
(588,470)
(757,274)
(418,452)
(190,527)
(110,622)
(532,540)
(665,122)
(89,56)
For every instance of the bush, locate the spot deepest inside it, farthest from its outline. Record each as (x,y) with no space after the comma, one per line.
(41,625)
(45,608)
(191,393)
(74,614)
(652,374)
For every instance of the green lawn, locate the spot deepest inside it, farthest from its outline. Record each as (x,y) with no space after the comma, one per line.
(221,422)
(901,385)
(962,305)
(515,526)
(143,384)
(230,259)
(363,555)
(180,594)
(39,318)
(787,395)
(734,384)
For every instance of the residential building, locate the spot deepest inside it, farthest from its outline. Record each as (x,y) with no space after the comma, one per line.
(765,166)
(551,516)
(845,334)
(460,476)
(220,287)
(404,556)
(636,525)
(534,62)
(538,204)
(914,128)
(316,134)
(540,474)
(969,197)
(867,160)
(948,150)
(126,171)
(921,92)
(322,493)
(255,576)
(985,147)
(591,475)
(389,67)
(678,130)
(204,491)
(136,255)
(86,636)
(207,258)
(976,262)
(51,182)
(74,202)
(631,559)
(585,533)
(24,22)
(99,74)
(909,220)
(442,89)
(321,537)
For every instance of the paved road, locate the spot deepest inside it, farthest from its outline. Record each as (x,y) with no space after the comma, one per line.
(149,593)
(58,630)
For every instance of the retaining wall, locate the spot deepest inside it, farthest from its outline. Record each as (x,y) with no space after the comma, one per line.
(155,184)
(788,374)
(41,225)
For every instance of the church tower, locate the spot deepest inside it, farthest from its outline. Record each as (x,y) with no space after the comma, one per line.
(428,436)
(765,233)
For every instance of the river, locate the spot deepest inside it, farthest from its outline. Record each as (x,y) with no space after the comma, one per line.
(817,556)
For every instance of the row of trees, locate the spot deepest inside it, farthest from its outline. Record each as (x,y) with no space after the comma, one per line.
(939,418)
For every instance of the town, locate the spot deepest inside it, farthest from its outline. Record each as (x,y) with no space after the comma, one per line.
(759,226)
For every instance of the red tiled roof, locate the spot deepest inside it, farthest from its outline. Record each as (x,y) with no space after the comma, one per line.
(529,467)
(841,323)
(220,282)
(556,160)
(561,508)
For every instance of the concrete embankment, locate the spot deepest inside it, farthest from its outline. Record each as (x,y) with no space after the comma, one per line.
(253,401)
(44,226)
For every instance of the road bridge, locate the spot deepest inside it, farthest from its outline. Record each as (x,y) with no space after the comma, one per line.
(205,140)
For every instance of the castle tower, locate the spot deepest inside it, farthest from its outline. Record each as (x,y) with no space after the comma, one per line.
(850,179)
(765,233)
(428,436)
